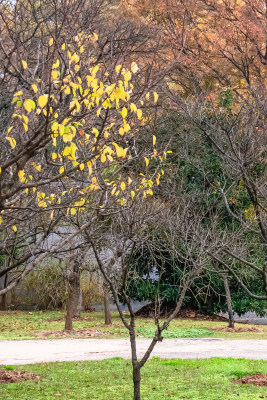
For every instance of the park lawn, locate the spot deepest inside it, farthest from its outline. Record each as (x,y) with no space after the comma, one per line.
(25,325)
(211,379)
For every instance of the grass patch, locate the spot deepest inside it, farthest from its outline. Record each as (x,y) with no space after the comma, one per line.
(25,325)
(176,333)
(111,379)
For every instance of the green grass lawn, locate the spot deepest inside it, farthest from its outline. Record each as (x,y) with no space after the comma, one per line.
(211,379)
(25,325)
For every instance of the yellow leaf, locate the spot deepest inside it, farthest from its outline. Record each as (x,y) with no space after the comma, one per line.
(156,96)
(10,129)
(1,220)
(118,68)
(128,76)
(73,211)
(54,75)
(12,141)
(129,181)
(123,186)
(18,93)
(81,166)
(54,156)
(95,35)
(139,113)
(42,101)
(132,194)
(63,46)
(121,131)
(35,88)
(14,228)
(26,119)
(134,67)
(147,96)
(62,169)
(27,105)
(51,41)
(56,65)
(52,215)
(133,107)
(79,203)
(25,127)
(146,161)
(24,64)
(154,140)
(124,112)
(103,158)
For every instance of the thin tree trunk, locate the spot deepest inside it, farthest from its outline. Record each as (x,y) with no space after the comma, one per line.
(223,274)
(3,297)
(107,304)
(137,382)
(3,302)
(78,299)
(74,298)
(229,302)
(70,305)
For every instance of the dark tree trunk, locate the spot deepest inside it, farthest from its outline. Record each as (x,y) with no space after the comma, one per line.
(70,306)
(3,302)
(137,382)
(74,297)
(3,297)
(229,302)
(107,304)
(78,296)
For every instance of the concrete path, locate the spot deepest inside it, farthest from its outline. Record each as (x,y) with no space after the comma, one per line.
(14,352)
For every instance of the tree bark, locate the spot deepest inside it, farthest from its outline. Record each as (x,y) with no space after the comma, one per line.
(70,305)
(3,302)
(3,297)
(74,297)
(107,304)
(229,302)
(137,382)
(78,296)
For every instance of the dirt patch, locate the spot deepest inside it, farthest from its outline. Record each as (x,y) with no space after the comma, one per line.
(12,376)
(255,380)
(9,312)
(238,329)
(81,333)
(73,319)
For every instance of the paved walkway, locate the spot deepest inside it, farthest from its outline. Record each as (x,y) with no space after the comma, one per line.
(14,352)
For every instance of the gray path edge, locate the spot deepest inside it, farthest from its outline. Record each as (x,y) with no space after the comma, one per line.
(16,352)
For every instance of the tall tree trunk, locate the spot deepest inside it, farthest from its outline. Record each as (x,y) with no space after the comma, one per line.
(229,301)
(107,304)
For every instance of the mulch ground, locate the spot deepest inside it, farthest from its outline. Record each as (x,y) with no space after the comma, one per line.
(12,376)
(81,333)
(255,380)
(73,319)
(238,329)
